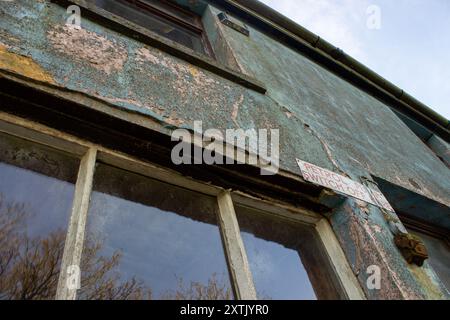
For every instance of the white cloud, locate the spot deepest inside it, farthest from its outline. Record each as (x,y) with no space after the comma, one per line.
(409,50)
(335,21)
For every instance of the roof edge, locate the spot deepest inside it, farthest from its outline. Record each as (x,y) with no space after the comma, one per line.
(263,12)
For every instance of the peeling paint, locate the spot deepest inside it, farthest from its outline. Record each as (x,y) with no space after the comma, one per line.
(377,228)
(235,112)
(363,241)
(386,263)
(158,110)
(362,132)
(184,71)
(23,65)
(433,290)
(86,46)
(322,119)
(7,37)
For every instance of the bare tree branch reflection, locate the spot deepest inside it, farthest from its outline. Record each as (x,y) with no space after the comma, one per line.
(101,280)
(30,267)
(214,290)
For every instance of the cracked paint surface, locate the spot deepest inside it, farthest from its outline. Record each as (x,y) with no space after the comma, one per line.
(367,241)
(359,131)
(103,54)
(146,80)
(322,119)
(22,65)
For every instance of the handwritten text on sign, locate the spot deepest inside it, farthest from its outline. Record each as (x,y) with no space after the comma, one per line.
(332,180)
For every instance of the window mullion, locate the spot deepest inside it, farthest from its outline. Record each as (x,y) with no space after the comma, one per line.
(70,265)
(349,284)
(234,246)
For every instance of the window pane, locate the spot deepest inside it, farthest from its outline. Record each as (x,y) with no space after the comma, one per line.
(439,257)
(155,23)
(151,240)
(285,258)
(36,193)
(167,8)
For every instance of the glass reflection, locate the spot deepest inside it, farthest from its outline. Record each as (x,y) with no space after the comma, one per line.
(151,240)
(157,23)
(284,258)
(36,193)
(439,256)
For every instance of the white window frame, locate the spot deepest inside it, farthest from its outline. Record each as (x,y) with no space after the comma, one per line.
(241,276)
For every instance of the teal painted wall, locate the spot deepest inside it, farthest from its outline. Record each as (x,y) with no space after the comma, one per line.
(322,118)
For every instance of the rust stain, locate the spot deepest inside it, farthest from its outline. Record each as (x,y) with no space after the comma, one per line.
(194,71)
(23,65)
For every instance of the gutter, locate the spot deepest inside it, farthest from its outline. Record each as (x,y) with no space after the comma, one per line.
(254,9)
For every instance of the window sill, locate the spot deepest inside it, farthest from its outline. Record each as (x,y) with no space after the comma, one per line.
(148,37)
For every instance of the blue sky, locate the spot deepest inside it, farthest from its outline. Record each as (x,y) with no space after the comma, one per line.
(411,49)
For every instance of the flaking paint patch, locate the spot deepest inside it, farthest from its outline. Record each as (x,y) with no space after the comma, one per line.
(171,119)
(154,56)
(144,55)
(426,280)
(8,40)
(369,250)
(86,46)
(23,65)
(183,71)
(406,292)
(377,228)
(187,81)
(5,46)
(236,107)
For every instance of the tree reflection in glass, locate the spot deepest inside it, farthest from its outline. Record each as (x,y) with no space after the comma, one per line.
(285,258)
(122,259)
(165,239)
(36,193)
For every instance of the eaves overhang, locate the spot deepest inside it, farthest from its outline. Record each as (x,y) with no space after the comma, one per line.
(295,36)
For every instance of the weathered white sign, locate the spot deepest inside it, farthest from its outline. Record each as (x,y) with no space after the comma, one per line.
(339,183)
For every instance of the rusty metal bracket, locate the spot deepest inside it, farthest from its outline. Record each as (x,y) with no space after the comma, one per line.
(226,21)
(412,248)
